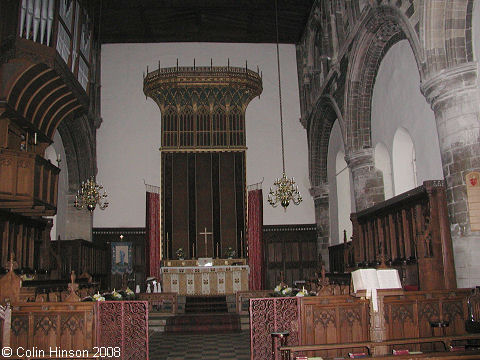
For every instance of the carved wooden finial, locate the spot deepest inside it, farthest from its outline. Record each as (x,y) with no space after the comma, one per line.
(73,277)
(12,264)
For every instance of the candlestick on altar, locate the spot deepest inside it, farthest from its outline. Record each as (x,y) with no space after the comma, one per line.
(217,251)
(166,243)
(241,244)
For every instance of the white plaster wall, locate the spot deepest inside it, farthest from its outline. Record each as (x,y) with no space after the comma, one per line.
(51,153)
(396,102)
(335,144)
(129,137)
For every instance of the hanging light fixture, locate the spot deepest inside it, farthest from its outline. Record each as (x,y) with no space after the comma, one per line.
(286,190)
(89,195)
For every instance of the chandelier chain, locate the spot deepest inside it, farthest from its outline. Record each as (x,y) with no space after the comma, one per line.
(286,190)
(279,88)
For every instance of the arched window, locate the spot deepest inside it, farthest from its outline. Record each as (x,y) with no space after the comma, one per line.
(382,163)
(343,196)
(404,166)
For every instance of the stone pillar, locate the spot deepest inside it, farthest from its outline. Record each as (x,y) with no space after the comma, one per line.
(367,180)
(322,219)
(78,223)
(454,97)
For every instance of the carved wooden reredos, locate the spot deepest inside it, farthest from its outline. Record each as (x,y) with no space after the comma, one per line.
(203,149)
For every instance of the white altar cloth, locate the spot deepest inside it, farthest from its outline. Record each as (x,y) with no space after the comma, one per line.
(205,280)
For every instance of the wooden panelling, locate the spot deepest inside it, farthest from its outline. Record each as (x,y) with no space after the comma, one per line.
(411,233)
(24,237)
(334,319)
(69,326)
(83,256)
(291,250)
(105,236)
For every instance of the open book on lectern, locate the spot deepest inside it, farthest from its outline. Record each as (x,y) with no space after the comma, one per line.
(372,280)
(364,279)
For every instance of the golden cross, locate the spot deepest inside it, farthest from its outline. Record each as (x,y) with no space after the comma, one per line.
(206,234)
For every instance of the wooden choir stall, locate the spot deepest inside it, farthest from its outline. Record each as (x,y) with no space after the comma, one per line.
(416,313)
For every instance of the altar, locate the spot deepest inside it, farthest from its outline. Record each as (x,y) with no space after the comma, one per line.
(219,278)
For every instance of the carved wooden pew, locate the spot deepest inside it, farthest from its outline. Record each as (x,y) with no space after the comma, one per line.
(74,329)
(288,352)
(335,325)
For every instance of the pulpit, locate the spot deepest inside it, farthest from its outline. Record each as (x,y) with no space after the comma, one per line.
(214,277)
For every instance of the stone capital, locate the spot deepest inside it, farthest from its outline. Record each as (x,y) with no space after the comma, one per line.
(360,158)
(319,191)
(450,83)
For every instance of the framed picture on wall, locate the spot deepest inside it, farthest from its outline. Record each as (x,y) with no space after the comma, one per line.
(121,257)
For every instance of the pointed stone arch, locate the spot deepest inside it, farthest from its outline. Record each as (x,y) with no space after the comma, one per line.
(319,129)
(383,26)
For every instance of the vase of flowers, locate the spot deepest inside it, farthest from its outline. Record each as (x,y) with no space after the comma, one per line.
(180,254)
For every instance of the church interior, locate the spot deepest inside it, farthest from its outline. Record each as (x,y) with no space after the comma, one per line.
(236,179)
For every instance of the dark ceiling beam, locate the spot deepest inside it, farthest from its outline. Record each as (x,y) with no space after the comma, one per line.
(250,21)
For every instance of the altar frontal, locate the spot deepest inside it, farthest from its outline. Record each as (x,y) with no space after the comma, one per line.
(205,280)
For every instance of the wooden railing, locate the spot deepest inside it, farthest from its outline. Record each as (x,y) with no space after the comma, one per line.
(410,232)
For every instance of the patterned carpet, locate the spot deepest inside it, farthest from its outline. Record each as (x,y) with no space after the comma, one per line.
(225,346)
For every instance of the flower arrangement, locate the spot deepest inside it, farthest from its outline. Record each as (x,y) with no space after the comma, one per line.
(230,253)
(98,297)
(129,294)
(116,295)
(180,253)
(282,289)
(303,292)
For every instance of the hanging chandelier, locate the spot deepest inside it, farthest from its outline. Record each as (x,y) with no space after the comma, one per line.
(89,196)
(286,190)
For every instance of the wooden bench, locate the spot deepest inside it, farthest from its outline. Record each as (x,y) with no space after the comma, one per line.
(287,352)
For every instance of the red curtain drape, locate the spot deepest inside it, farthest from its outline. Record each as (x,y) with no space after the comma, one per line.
(255,241)
(152,225)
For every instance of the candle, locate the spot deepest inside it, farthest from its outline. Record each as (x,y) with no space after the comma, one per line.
(35,138)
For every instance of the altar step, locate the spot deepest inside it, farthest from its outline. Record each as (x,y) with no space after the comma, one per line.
(206,304)
(158,322)
(203,323)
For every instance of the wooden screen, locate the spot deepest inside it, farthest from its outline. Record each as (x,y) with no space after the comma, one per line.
(291,250)
(203,190)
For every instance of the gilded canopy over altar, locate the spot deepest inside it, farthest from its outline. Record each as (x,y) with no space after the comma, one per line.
(203,157)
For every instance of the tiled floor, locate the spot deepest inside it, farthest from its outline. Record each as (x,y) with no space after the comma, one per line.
(223,346)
